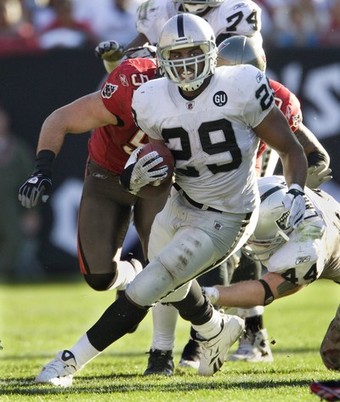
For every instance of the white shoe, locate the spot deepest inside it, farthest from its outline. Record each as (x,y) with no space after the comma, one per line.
(214,351)
(254,348)
(59,371)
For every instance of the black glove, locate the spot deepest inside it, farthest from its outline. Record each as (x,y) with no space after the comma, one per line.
(39,184)
(109,50)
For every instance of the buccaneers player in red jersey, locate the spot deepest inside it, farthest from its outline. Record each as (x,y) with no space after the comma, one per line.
(106,206)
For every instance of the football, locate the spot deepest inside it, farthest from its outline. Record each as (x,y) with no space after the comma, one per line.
(152,190)
(162,151)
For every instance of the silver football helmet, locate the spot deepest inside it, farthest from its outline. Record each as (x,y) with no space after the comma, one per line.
(241,49)
(187,31)
(197,6)
(272,229)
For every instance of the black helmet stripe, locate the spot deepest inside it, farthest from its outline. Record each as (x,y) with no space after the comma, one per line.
(180,26)
(273,190)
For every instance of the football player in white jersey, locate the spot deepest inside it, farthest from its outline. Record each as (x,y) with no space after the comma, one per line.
(294,257)
(165,336)
(253,345)
(212,120)
(227,17)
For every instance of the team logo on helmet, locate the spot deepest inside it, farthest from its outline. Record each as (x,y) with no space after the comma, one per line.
(282,221)
(109,90)
(220,98)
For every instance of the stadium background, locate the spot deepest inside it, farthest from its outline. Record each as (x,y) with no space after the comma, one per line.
(34,85)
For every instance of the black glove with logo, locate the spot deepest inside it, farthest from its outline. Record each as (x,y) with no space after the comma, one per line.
(39,184)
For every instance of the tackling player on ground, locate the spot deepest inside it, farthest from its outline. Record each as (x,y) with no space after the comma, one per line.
(294,256)
(254,345)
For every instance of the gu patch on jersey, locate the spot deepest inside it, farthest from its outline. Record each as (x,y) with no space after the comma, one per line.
(108,90)
(220,98)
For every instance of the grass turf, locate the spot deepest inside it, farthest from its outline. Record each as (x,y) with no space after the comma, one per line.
(38,320)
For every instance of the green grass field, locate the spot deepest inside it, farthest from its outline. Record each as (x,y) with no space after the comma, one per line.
(38,320)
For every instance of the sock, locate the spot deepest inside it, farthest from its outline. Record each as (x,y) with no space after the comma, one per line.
(254,324)
(164,324)
(83,351)
(211,328)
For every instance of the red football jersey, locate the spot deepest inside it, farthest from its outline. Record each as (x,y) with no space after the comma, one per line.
(289,105)
(110,146)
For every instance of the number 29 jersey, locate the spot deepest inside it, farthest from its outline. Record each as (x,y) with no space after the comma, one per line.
(211,136)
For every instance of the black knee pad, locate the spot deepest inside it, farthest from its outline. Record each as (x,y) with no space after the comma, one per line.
(100,282)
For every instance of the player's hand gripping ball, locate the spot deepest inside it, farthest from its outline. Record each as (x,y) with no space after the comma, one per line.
(148,171)
(165,153)
(159,186)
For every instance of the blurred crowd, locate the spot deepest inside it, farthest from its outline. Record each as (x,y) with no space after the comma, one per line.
(34,25)
(301,22)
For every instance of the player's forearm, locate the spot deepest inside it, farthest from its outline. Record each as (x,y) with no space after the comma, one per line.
(244,294)
(52,135)
(251,293)
(294,165)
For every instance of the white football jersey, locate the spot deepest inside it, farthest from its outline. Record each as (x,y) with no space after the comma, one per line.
(312,251)
(231,17)
(211,136)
